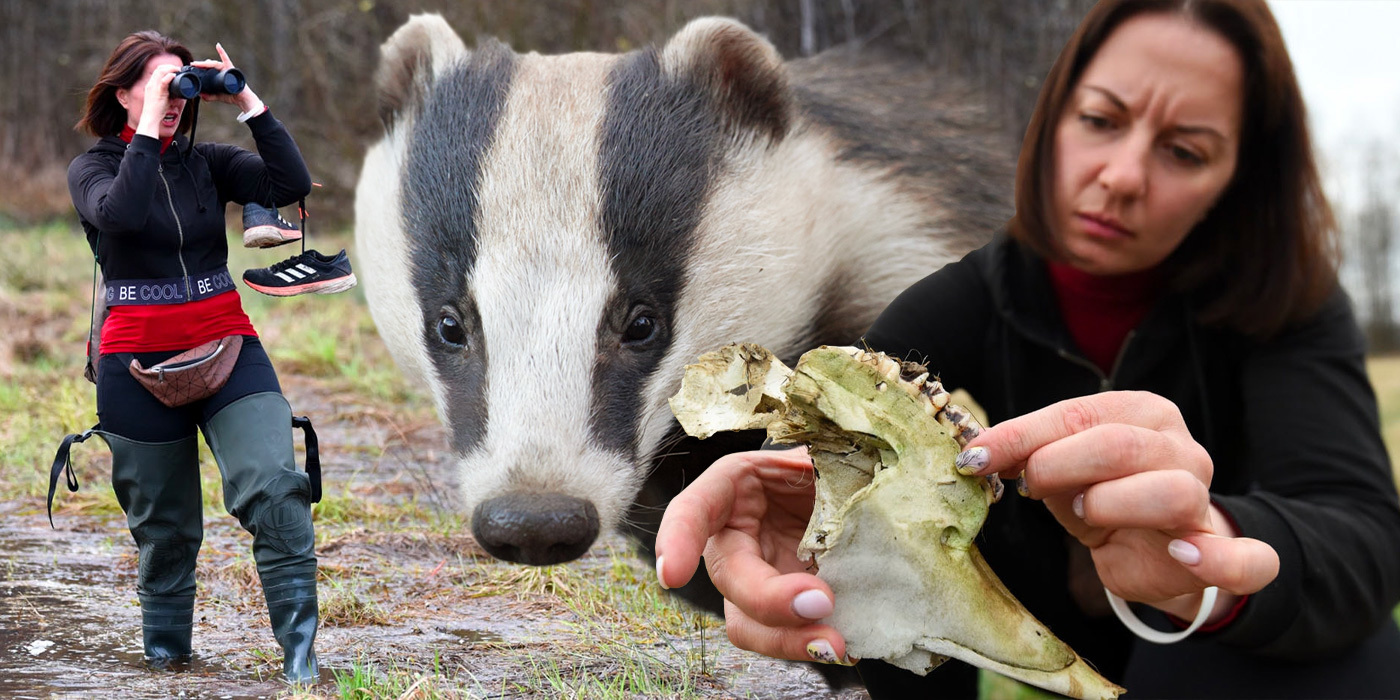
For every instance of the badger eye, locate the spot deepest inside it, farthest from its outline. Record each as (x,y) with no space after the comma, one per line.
(640,329)
(452,332)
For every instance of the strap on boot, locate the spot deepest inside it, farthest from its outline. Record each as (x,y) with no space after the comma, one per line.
(313,457)
(63,463)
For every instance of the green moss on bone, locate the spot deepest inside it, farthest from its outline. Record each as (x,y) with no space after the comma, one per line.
(894,524)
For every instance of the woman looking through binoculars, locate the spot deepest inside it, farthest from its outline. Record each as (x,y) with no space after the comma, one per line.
(152,205)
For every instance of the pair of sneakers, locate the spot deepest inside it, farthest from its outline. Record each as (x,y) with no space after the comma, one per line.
(307,273)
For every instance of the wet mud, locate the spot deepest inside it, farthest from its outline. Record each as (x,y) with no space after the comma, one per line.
(421,599)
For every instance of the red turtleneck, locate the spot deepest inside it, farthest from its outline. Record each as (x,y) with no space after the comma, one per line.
(128,133)
(1100,311)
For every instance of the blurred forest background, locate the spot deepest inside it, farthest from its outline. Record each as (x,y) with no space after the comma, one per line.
(313,62)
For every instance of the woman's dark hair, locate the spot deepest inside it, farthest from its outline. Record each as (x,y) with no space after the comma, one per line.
(103,115)
(1266,254)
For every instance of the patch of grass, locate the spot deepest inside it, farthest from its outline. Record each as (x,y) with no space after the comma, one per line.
(53,258)
(622,624)
(343,510)
(267,662)
(486,577)
(40,408)
(628,597)
(339,605)
(608,671)
(366,680)
(242,588)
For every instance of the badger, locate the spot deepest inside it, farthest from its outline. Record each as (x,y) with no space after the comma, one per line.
(546,241)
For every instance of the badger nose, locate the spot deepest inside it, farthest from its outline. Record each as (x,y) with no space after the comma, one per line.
(535,528)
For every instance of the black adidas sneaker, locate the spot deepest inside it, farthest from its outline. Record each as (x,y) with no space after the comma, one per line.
(265,228)
(307,273)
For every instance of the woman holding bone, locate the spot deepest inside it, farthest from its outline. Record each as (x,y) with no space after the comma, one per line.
(1170,369)
(152,205)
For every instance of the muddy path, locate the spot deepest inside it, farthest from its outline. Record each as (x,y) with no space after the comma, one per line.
(410,606)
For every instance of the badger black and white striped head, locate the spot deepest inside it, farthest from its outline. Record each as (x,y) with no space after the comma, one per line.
(546,241)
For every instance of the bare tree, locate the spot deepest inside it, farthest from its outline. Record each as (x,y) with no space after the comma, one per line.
(1374,236)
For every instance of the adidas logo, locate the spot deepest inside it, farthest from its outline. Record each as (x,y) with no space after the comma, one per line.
(293,274)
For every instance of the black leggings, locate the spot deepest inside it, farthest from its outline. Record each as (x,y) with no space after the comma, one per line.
(126,408)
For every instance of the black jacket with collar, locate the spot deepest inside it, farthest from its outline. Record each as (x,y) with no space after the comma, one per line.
(1293,430)
(161,215)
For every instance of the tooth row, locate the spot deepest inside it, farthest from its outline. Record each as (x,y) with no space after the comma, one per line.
(957,420)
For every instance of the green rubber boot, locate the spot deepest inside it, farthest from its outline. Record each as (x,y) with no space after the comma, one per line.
(167,623)
(157,485)
(251,439)
(291,606)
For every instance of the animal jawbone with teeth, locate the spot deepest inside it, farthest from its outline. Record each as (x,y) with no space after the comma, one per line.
(893,525)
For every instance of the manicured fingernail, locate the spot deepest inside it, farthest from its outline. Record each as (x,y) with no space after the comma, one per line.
(812,605)
(1077,505)
(1022,487)
(659,578)
(820,651)
(1184,552)
(973,460)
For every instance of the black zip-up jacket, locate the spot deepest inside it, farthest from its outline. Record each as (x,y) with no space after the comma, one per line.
(161,215)
(1291,425)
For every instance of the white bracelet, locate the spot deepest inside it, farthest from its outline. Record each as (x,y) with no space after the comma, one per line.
(1131,621)
(253,111)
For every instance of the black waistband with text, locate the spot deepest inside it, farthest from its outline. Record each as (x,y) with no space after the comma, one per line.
(172,290)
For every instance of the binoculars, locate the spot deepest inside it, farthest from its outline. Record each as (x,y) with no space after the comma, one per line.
(190,81)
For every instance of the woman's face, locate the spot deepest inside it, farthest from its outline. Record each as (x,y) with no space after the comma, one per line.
(134,97)
(1147,143)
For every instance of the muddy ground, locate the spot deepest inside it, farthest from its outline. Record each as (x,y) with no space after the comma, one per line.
(410,607)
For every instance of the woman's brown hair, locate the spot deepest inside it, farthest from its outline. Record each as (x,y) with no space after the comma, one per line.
(103,115)
(1266,254)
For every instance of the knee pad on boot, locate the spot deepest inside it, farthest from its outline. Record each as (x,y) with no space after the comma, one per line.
(280,522)
(165,563)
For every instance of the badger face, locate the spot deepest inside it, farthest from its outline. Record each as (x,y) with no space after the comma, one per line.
(524,230)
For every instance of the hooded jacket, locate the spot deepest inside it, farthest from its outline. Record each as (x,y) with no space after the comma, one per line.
(150,214)
(1292,427)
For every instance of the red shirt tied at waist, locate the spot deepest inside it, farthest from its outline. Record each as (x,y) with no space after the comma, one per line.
(172,326)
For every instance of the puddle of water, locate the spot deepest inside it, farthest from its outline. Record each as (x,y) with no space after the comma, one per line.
(472,636)
(51,639)
(69,626)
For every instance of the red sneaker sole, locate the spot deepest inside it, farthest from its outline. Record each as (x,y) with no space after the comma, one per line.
(334,286)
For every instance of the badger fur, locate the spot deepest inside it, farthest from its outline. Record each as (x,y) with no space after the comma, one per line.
(546,241)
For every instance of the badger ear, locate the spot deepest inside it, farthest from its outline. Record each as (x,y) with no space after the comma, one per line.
(740,69)
(410,59)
